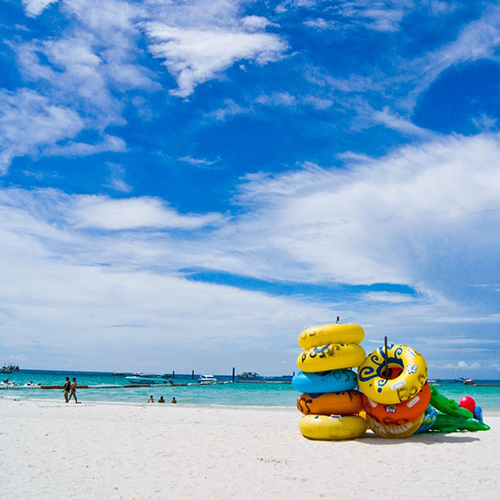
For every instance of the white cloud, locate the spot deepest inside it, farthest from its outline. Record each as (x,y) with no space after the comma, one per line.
(194,56)
(321,24)
(388,297)
(229,108)
(35,7)
(432,204)
(107,143)
(421,216)
(462,365)
(255,22)
(61,282)
(478,40)
(29,122)
(116,178)
(277,99)
(133,213)
(403,125)
(201,163)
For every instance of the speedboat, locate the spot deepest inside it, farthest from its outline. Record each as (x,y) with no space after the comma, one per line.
(207,379)
(148,379)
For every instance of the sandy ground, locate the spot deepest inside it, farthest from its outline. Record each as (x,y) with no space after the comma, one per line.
(52,450)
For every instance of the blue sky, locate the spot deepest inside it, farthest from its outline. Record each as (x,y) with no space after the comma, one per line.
(188,185)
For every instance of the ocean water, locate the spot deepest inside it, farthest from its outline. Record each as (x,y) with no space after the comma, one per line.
(275,395)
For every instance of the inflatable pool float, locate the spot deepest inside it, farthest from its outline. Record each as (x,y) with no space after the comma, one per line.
(374,383)
(329,381)
(330,403)
(449,423)
(448,406)
(331,334)
(331,357)
(332,428)
(394,431)
(430,417)
(401,413)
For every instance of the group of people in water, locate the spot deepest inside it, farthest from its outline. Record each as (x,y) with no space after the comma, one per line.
(70,390)
(161,400)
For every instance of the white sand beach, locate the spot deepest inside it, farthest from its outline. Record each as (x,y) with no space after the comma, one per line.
(52,450)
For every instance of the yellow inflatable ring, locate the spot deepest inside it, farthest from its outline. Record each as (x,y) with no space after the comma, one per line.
(331,357)
(394,431)
(331,334)
(407,384)
(332,428)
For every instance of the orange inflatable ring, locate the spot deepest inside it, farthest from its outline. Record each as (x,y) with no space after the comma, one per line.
(394,431)
(401,413)
(331,403)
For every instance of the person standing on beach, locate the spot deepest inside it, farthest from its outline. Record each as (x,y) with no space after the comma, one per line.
(73,390)
(67,387)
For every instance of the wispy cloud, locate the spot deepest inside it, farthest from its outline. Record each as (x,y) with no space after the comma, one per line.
(30,122)
(197,162)
(134,213)
(36,7)
(195,56)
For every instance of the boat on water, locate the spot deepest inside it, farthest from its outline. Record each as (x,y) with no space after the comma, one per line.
(119,373)
(8,385)
(207,379)
(249,377)
(148,379)
(255,377)
(466,380)
(9,368)
(434,381)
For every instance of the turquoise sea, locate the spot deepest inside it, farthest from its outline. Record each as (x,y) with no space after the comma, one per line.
(277,395)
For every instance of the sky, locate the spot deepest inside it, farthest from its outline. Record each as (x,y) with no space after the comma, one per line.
(187,185)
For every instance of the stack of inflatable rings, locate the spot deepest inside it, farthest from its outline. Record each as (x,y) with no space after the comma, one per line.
(330,402)
(395,402)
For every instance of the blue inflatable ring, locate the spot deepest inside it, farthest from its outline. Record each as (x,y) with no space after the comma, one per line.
(330,381)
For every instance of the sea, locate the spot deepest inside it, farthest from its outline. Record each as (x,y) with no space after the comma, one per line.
(109,388)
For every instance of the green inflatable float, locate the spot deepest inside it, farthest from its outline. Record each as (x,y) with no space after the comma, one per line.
(452,417)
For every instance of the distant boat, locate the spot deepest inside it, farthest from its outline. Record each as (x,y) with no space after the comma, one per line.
(207,380)
(9,368)
(249,377)
(465,380)
(119,373)
(148,379)
(434,381)
(255,377)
